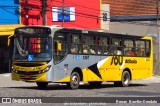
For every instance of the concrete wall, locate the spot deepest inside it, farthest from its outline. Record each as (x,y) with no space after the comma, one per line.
(140,28)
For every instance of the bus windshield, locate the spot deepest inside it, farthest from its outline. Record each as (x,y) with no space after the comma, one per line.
(32,48)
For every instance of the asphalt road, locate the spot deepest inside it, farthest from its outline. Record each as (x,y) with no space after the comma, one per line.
(141,88)
(146,87)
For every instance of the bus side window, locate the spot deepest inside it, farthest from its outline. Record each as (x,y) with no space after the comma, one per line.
(75,46)
(148,50)
(92,44)
(119,50)
(128,45)
(112,50)
(86,44)
(99,44)
(140,52)
(132,52)
(105,48)
(140,45)
(85,49)
(117,46)
(92,49)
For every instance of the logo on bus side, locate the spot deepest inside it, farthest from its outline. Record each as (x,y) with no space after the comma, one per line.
(131,61)
(86,57)
(77,57)
(117,60)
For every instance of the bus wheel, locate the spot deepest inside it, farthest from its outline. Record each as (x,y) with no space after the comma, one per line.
(95,83)
(126,78)
(42,84)
(74,80)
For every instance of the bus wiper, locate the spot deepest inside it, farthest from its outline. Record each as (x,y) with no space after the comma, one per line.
(20,50)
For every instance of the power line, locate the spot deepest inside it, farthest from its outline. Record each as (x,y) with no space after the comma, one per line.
(79,13)
(82,6)
(103,10)
(87,7)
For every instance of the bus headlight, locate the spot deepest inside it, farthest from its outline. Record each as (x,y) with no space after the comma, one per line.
(13,70)
(45,70)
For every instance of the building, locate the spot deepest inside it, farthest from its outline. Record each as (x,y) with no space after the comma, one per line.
(77,13)
(136,17)
(9,20)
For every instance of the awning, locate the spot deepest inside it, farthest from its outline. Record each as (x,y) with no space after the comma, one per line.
(8,29)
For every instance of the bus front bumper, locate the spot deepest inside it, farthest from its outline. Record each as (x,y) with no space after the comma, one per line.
(29,78)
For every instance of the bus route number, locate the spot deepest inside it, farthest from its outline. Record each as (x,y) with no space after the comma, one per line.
(84,31)
(117,60)
(85,57)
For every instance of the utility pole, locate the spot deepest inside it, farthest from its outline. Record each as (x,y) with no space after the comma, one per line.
(158,61)
(44,15)
(62,13)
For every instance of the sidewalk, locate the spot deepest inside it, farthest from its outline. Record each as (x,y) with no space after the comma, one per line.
(153,79)
(6,81)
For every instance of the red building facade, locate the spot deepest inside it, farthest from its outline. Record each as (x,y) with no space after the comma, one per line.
(85,13)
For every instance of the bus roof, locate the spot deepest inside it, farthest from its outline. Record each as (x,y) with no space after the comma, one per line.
(76,30)
(90,31)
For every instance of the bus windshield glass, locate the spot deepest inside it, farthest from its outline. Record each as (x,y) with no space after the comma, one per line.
(32,48)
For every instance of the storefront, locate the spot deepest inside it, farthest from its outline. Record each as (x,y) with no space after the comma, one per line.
(9,20)
(5,54)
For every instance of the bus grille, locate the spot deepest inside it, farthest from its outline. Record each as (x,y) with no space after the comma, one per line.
(28,64)
(28,78)
(28,72)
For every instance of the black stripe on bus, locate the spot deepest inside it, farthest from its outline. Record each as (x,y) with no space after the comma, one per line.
(95,70)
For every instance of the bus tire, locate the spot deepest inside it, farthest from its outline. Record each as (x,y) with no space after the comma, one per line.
(42,84)
(74,80)
(126,78)
(95,83)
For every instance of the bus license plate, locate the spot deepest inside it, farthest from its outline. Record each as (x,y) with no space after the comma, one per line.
(27,76)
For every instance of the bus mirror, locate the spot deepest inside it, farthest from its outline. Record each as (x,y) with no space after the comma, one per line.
(10,40)
(59,46)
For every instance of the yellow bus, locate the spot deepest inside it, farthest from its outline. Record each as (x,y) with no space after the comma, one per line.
(45,54)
